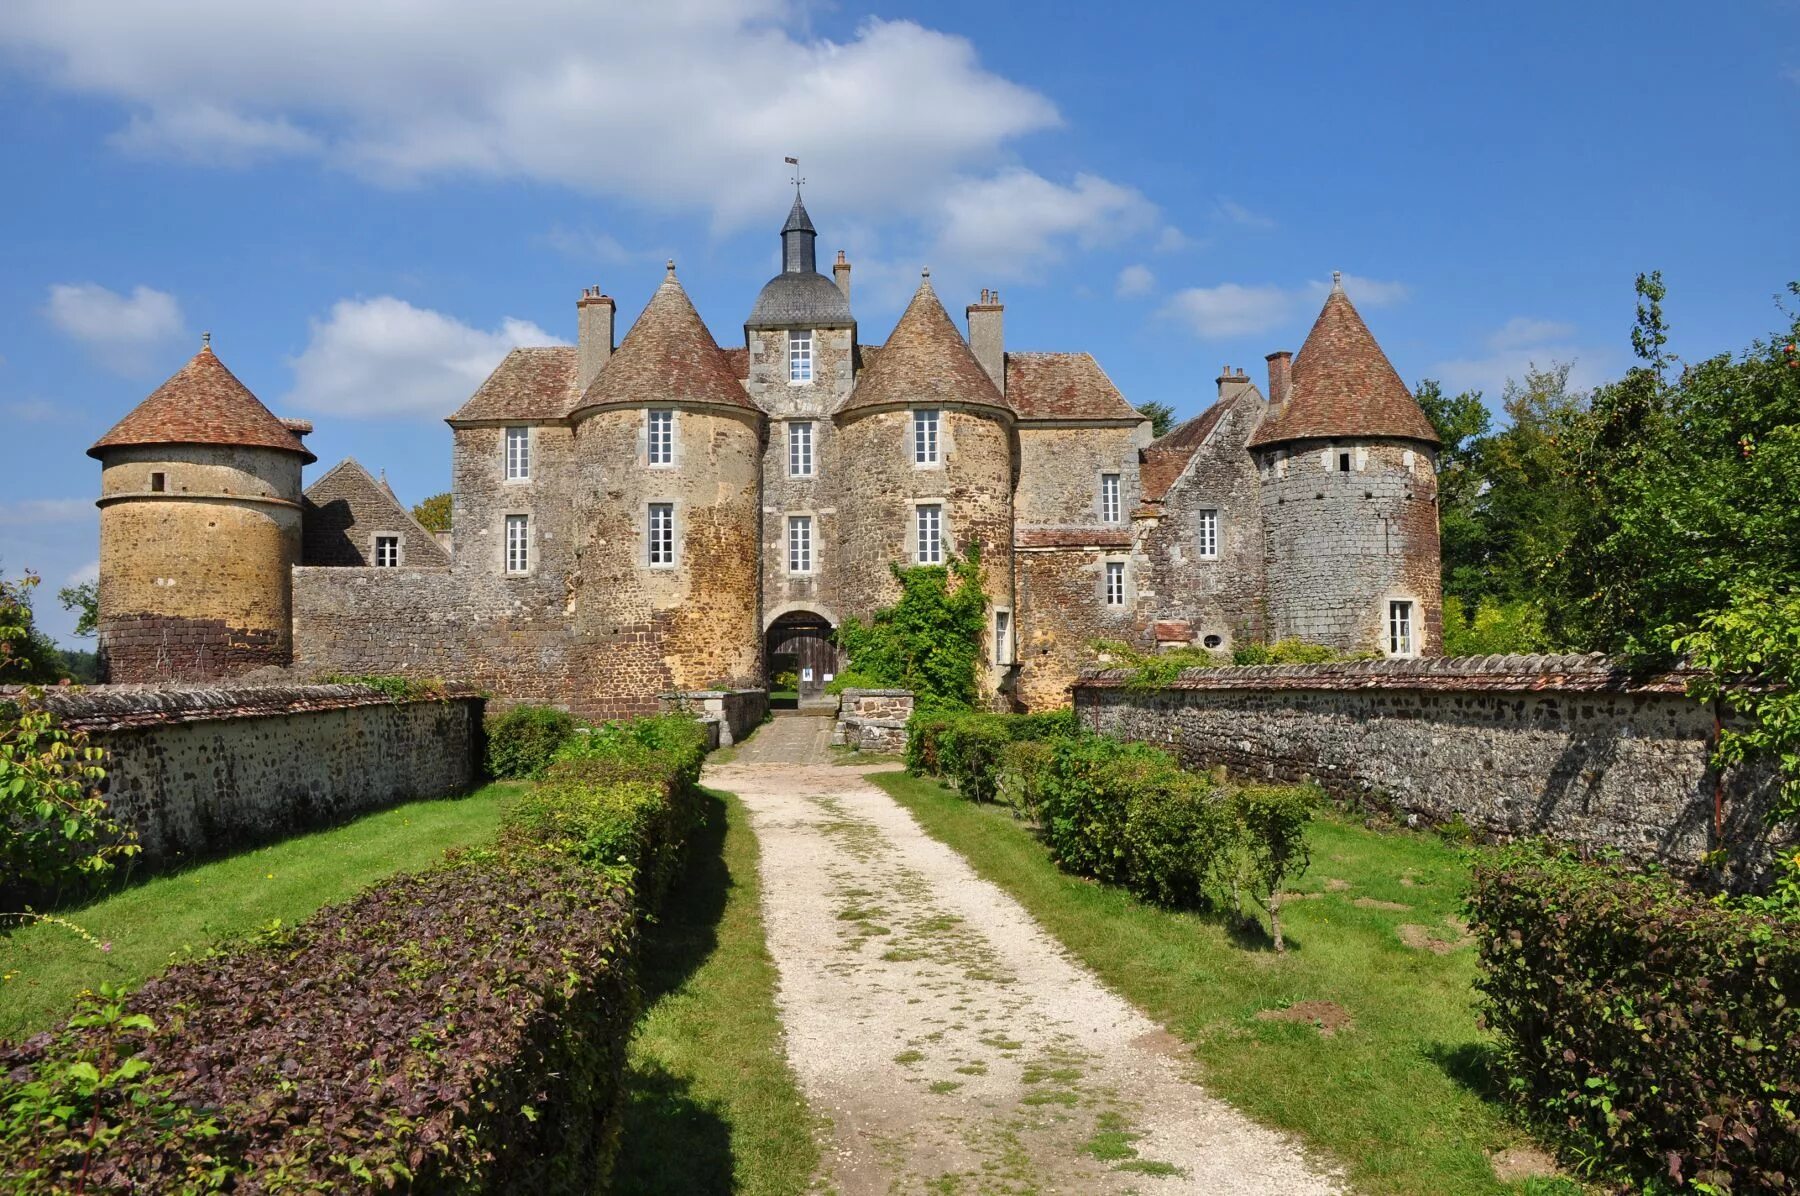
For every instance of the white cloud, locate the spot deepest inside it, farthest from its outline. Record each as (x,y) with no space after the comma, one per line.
(383,357)
(1133,281)
(34,511)
(86,573)
(121,332)
(1514,348)
(601,247)
(1237,213)
(1520,332)
(1173,240)
(32,411)
(1229,309)
(1008,224)
(688,103)
(1232,309)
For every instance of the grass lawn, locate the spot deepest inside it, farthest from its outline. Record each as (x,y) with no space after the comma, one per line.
(44,966)
(711,1104)
(1396,1095)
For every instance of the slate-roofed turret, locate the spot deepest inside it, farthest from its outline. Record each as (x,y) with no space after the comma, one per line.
(799,296)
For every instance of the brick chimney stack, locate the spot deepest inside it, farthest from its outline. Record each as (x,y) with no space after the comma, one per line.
(987,336)
(1280,377)
(840,274)
(593,334)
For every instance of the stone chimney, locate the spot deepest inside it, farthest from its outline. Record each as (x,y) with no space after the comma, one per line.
(987,336)
(1230,379)
(840,274)
(1280,381)
(593,334)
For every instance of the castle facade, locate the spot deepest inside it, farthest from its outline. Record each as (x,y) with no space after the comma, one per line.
(660,514)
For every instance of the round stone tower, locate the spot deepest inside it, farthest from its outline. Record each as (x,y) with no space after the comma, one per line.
(1348,465)
(199,531)
(669,449)
(928,444)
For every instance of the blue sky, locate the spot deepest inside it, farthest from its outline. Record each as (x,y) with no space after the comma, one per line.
(368,201)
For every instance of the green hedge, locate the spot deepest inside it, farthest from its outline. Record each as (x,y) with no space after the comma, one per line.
(522,740)
(462,1029)
(1656,1030)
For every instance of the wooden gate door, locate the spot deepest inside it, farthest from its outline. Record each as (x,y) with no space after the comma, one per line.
(806,642)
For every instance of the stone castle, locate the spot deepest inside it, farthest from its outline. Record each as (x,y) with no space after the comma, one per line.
(661,514)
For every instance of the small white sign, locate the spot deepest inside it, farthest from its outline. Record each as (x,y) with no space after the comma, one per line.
(828,678)
(806,674)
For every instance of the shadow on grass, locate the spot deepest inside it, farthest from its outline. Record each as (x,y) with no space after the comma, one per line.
(672,1143)
(1472,1065)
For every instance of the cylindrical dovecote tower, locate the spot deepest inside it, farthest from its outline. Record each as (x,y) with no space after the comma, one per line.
(199,531)
(930,449)
(670,450)
(1348,464)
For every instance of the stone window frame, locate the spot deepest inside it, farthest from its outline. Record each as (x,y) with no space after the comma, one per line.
(812,543)
(812,447)
(375,539)
(946,544)
(1123,565)
(674,445)
(802,348)
(506,544)
(159,481)
(675,533)
(1200,533)
(915,426)
(1414,628)
(1114,511)
(1005,651)
(506,453)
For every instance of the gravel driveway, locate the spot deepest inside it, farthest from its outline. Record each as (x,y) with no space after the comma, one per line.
(953,1044)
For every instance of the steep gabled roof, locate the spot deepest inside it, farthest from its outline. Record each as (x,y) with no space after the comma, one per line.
(533,384)
(668,357)
(924,361)
(1166,459)
(1343,385)
(203,403)
(1063,386)
(348,499)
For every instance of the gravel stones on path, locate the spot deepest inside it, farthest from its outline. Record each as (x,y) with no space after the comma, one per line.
(952,1044)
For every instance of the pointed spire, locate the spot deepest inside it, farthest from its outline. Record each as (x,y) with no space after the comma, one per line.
(667,357)
(1343,385)
(799,253)
(925,361)
(202,403)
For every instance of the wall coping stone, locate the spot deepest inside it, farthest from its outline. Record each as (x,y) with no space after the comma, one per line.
(877,693)
(101,708)
(676,694)
(1593,673)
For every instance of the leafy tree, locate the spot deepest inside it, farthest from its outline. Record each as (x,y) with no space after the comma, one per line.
(1160,415)
(26,654)
(1463,426)
(433,513)
(84,597)
(930,640)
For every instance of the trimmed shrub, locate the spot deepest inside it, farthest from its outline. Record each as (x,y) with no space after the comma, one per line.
(1179,831)
(1652,1028)
(522,741)
(925,732)
(460,1029)
(1025,768)
(1088,801)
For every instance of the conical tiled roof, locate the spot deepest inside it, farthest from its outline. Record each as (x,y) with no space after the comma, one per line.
(668,357)
(1343,385)
(925,361)
(203,403)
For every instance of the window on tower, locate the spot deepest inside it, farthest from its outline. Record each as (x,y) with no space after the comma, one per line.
(800,357)
(930,527)
(800,449)
(1109,498)
(925,437)
(1115,583)
(1400,629)
(661,537)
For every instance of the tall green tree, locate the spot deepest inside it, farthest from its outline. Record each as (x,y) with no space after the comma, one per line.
(1160,415)
(1463,426)
(83,597)
(433,513)
(27,656)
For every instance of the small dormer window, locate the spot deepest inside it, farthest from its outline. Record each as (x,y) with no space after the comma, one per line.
(800,358)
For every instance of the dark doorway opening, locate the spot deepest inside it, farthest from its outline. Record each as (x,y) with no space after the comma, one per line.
(801,659)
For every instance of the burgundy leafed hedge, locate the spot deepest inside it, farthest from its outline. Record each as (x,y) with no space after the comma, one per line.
(1654,1029)
(458,1030)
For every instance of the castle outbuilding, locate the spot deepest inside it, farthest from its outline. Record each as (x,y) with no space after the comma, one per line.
(662,514)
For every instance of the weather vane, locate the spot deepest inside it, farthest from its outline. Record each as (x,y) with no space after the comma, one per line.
(795,163)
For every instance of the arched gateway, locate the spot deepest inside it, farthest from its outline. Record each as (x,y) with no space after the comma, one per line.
(800,642)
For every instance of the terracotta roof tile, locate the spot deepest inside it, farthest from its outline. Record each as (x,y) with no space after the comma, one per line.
(924,361)
(1063,386)
(738,362)
(1167,458)
(1466,674)
(534,384)
(1072,537)
(667,357)
(203,403)
(1343,385)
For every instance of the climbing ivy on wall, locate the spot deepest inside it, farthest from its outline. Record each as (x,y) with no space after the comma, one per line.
(929,641)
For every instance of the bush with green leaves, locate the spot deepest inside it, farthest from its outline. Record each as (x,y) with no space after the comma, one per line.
(1025,768)
(1270,847)
(1652,1029)
(522,740)
(1294,651)
(1493,627)
(929,642)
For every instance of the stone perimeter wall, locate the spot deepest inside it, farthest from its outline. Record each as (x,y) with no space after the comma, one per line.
(730,714)
(204,771)
(1564,746)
